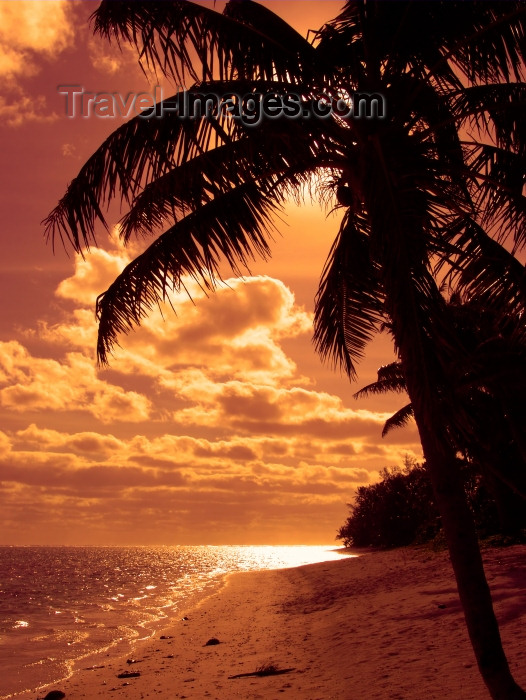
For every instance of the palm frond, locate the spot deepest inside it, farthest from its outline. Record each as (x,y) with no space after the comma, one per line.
(491,47)
(174,37)
(494,111)
(231,227)
(349,302)
(148,148)
(399,419)
(499,176)
(390,378)
(264,156)
(483,39)
(426,111)
(140,151)
(487,273)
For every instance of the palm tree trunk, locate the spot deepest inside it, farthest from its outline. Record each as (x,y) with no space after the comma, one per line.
(461,537)
(415,307)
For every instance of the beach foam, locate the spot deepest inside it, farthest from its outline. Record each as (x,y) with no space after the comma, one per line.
(386,625)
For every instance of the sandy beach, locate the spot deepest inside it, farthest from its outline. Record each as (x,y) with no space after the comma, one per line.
(384,625)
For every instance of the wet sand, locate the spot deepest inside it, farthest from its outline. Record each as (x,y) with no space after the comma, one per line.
(384,625)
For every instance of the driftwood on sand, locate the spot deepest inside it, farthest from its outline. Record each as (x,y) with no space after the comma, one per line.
(129,674)
(269,670)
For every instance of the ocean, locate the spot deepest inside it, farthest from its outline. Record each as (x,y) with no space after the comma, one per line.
(63,608)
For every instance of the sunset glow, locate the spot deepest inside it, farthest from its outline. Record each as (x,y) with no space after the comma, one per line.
(215,425)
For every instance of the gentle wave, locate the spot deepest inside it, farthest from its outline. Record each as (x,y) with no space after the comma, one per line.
(60,606)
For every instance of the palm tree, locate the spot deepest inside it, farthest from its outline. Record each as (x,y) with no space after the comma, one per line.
(434,187)
(489,387)
(491,449)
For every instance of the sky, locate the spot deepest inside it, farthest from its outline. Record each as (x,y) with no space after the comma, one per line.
(215,425)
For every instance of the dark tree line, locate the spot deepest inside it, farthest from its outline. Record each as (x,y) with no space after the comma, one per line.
(400,510)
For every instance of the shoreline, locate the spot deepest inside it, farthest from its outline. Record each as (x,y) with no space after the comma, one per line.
(121,649)
(385,624)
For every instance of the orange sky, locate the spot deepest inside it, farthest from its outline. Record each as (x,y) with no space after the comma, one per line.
(217,426)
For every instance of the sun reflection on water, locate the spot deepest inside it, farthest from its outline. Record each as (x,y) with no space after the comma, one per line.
(63,604)
(253,557)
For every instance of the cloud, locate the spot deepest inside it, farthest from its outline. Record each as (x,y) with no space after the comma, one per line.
(92,276)
(68,150)
(5,444)
(87,442)
(13,61)
(44,384)
(218,363)
(280,410)
(29,29)
(23,109)
(203,424)
(31,33)
(52,466)
(78,330)
(96,487)
(236,331)
(109,59)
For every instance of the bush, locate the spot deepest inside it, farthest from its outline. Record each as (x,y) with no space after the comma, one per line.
(400,509)
(396,511)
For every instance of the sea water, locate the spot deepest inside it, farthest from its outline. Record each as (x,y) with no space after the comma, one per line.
(65,607)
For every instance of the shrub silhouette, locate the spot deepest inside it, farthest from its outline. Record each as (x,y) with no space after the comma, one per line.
(399,510)
(396,511)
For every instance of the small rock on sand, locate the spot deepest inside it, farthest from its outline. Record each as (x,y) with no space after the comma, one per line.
(129,674)
(212,642)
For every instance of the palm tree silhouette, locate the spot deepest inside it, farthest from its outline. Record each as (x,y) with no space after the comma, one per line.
(489,386)
(433,188)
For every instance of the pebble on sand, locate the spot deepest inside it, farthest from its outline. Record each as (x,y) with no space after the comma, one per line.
(129,674)
(211,642)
